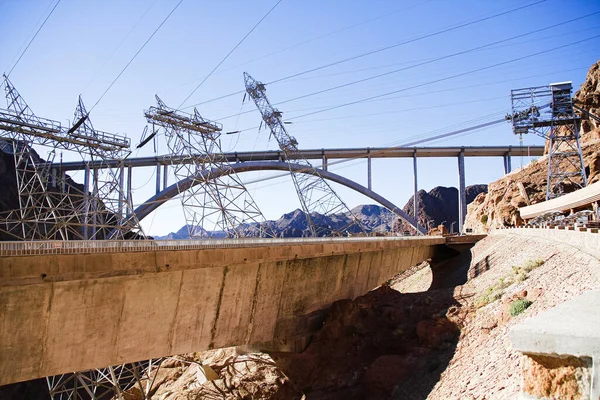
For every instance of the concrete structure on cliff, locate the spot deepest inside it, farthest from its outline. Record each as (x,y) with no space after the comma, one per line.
(71,306)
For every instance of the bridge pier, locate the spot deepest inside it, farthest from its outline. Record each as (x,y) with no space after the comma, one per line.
(121,190)
(369,182)
(324,162)
(165,176)
(416,189)
(95,202)
(129,198)
(157,178)
(86,201)
(462,194)
(507,163)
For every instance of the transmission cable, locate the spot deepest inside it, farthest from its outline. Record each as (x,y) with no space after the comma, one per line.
(136,54)
(230,52)
(119,45)
(33,38)
(408,41)
(314,39)
(436,59)
(446,78)
(420,64)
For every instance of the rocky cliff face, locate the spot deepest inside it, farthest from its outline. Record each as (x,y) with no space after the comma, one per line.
(439,206)
(500,206)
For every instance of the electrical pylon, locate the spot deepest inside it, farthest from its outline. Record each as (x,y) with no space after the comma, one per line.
(215,201)
(547,111)
(314,193)
(128,381)
(107,209)
(50,205)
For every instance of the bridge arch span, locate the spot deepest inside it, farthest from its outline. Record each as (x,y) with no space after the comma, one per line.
(168,193)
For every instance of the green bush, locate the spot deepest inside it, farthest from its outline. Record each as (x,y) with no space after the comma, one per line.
(530,265)
(518,306)
(484,219)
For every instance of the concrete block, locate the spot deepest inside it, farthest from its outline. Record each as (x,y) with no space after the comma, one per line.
(569,329)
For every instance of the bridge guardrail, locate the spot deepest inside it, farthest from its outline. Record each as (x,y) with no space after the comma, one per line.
(109,246)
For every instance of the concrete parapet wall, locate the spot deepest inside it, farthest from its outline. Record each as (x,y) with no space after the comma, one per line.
(69,312)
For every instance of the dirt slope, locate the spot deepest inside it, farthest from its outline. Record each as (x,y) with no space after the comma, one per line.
(444,343)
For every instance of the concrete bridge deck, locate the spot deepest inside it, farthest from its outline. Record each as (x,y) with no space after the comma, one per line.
(72,306)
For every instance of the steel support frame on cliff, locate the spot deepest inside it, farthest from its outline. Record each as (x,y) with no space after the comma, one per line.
(49,207)
(559,125)
(122,382)
(222,204)
(314,193)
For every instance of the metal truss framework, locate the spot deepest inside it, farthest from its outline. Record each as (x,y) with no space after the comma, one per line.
(559,125)
(123,382)
(314,193)
(50,205)
(212,207)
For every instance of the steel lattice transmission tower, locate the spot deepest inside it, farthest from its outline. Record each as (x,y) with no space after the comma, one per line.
(108,211)
(50,204)
(547,111)
(315,194)
(210,204)
(133,380)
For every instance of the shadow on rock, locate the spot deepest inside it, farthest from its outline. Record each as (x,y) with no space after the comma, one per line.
(382,345)
(452,266)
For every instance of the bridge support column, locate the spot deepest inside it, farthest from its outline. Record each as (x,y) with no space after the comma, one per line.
(95,205)
(165,176)
(369,182)
(462,195)
(129,198)
(86,201)
(157,178)
(507,163)
(416,189)
(324,163)
(121,189)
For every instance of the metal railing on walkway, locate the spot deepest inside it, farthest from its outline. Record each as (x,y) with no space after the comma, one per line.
(119,246)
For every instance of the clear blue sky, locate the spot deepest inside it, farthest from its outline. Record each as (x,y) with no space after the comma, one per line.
(70,56)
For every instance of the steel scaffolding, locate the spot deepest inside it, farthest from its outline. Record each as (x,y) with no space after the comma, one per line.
(547,111)
(314,193)
(213,207)
(50,205)
(122,382)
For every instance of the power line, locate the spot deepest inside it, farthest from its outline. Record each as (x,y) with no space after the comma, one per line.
(408,41)
(33,30)
(435,59)
(446,78)
(331,33)
(136,54)
(314,39)
(119,45)
(230,52)
(33,38)
(418,38)
(420,64)
(583,68)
